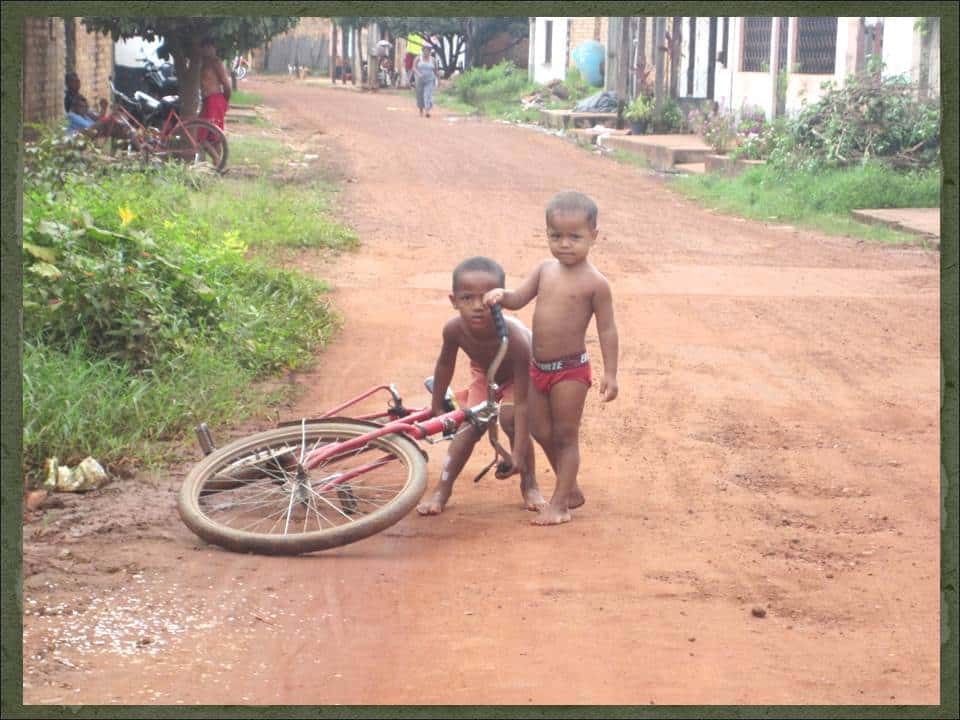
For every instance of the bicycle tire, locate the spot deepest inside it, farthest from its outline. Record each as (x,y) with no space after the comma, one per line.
(234,464)
(241,72)
(181,144)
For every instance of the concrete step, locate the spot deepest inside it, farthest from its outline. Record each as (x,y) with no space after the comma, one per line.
(663,152)
(691,168)
(924,222)
(570,119)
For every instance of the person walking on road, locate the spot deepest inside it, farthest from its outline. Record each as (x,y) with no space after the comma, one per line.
(426,79)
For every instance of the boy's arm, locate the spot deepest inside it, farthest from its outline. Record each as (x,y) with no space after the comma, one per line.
(443,372)
(520,359)
(224,80)
(609,340)
(516,299)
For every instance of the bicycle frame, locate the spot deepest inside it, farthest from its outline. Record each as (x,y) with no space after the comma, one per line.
(418,424)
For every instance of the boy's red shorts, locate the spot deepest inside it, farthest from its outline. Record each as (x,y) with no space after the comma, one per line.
(214,109)
(544,380)
(477,391)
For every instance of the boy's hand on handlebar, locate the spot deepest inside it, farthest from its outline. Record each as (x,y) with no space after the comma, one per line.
(493,297)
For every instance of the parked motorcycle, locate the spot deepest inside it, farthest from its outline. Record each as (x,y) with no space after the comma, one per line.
(159,80)
(239,67)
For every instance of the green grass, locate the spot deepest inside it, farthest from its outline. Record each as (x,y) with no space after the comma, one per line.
(494,92)
(260,151)
(225,317)
(263,214)
(817,200)
(625,157)
(242,97)
(76,406)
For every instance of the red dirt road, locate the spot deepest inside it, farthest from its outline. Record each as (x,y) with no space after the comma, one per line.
(774,446)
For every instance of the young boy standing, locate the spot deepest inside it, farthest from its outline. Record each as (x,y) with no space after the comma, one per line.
(472,331)
(569,291)
(214,85)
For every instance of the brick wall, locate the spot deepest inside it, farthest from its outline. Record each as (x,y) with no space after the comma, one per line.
(94,63)
(502,47)
(43,69)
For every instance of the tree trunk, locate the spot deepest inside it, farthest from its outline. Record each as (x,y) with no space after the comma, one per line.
(187,61)
(343,60)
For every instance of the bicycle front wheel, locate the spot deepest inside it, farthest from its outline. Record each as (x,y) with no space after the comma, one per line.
(254,495)
(198,141)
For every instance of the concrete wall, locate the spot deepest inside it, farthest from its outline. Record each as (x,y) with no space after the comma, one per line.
(44,57)
(903,47)
(556,69)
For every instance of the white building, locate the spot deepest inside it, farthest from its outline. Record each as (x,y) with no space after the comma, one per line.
(778,63)
(547,58)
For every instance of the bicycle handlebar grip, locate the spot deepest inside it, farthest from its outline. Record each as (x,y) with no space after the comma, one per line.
(498,322)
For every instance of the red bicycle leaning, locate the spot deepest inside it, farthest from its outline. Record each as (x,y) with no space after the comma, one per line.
(320,483)
(163,133)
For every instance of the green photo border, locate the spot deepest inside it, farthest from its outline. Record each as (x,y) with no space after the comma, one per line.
(11,54)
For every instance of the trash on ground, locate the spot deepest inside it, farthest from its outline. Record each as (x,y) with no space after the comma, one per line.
(88,475)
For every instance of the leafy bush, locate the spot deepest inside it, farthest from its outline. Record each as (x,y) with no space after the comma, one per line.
(671,116)
(481,86)
(718,129)
(134,295)
(145,308)
(866,118)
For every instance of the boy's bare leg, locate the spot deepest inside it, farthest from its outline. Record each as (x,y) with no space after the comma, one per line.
(566,407)
(460,449)
(540,422)
(529,489)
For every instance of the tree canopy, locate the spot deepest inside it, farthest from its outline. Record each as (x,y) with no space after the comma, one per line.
(182,35)
(447,36)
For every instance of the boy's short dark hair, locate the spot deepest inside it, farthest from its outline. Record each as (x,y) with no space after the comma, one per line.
(481,264)
(572,201)
(207,40)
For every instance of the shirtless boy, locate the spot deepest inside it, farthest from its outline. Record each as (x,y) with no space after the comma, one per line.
(214,85)
(473,332)
(569,292)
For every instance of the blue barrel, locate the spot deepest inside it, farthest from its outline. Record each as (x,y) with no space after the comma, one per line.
(589,56)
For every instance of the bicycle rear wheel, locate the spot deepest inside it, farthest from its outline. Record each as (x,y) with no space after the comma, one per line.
(254,496)
(198,141)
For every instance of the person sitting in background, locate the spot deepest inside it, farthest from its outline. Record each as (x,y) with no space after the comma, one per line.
(79,114)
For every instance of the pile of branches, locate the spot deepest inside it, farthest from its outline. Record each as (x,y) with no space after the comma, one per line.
(869,118)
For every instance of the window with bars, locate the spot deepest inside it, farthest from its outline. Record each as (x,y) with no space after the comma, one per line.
(548,42)
(756,44)
(816,45)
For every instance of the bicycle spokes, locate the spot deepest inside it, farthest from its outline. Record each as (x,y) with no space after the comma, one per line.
(269,491)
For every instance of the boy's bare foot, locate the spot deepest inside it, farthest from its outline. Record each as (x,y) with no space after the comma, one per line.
(576,498)
(532,499)
(550,515)
(435,505)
